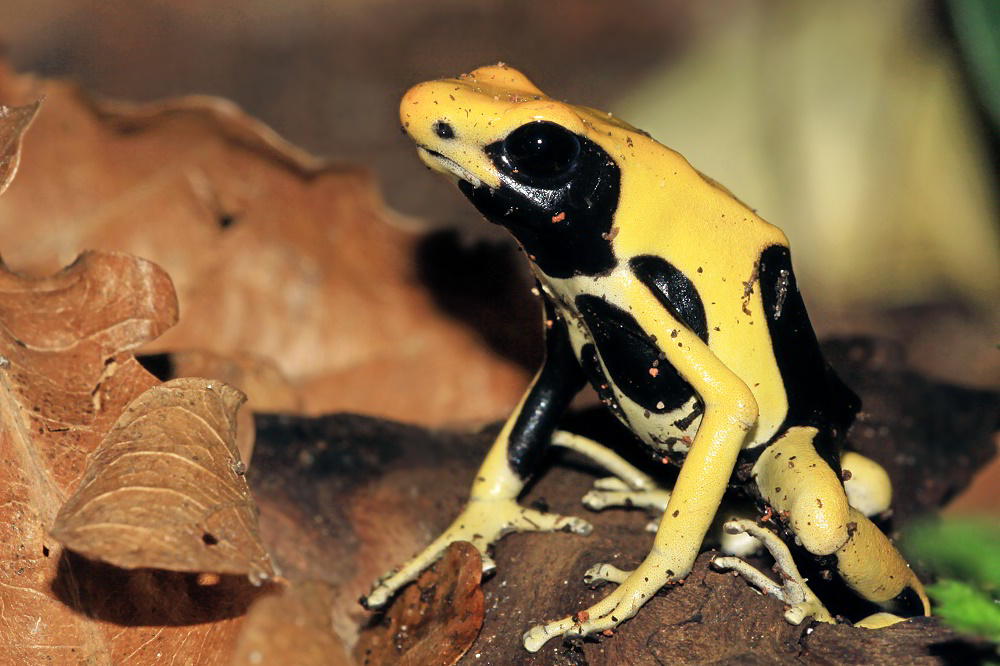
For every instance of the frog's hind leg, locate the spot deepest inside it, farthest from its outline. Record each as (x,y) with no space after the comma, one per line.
(806,492)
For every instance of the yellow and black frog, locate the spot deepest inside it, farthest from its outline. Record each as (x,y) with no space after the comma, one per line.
(679,305)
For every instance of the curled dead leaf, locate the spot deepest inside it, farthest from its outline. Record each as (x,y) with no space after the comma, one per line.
(272,252)
(166,489)
(292,628)
(266,388)
(14,122)
(65,377)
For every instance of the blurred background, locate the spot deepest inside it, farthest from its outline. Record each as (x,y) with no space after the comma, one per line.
(867,131)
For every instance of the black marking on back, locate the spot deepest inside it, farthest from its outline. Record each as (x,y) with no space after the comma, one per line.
(564,227)
(560,379)
(816,395)
(674,291)
(629,353)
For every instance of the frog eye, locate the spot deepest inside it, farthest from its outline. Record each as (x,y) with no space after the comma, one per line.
(541,150)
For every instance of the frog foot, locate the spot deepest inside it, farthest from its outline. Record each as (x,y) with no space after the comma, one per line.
(629,487)
(793,591)
(634,589)
(482,523)
(614,492)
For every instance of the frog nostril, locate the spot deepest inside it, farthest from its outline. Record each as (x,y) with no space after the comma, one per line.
(443,130)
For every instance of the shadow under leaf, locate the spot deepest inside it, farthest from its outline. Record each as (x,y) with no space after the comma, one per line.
(151,597)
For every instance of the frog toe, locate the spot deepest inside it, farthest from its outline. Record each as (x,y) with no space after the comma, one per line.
(533,520)
(634,589)
(533,639)
(794,591)
(879,621)
(605,573)
(611,483)
(379,596)
(614,492)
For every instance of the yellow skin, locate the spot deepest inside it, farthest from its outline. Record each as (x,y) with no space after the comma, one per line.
(665,209)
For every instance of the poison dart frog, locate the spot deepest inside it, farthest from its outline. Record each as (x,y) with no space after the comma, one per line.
(679,305)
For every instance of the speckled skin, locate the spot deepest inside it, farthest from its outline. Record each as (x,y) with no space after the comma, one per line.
(678,303)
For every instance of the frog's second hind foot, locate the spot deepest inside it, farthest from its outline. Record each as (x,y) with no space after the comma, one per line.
(628,488)
(793,591)
(632,488)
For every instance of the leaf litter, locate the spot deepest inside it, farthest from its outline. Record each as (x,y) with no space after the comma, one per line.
(73,396)
(293,259)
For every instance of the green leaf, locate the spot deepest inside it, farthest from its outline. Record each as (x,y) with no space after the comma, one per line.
(967,609)
(967,550)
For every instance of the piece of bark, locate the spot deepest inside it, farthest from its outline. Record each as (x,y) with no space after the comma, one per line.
(920,642)
(344,498)
(272,252)
(411,483)
(291,628)
(435,620)
(166,489)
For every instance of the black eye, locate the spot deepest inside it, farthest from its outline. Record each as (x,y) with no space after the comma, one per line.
(542,150)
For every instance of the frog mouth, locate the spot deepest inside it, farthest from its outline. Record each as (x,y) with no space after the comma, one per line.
(447,166)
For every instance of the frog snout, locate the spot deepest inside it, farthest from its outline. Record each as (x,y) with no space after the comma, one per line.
(420,117)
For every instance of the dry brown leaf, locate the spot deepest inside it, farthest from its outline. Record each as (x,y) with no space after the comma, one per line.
(292,629)
(271,252)
(14,122)
(436,620)
(166,488)
(65,377)
(267,390)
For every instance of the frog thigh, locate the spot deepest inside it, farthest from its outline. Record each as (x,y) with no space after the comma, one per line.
(793,477)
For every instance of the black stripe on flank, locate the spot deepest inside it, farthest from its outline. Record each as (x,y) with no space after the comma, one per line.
(560,379)
(816,395)
(630,354)
(674,291)
(595,374)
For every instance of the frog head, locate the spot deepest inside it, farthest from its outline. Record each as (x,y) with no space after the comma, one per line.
(539,167)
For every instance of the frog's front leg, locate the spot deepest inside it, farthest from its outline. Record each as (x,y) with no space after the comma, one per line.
(492,510)
(633,488)
(730,411)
